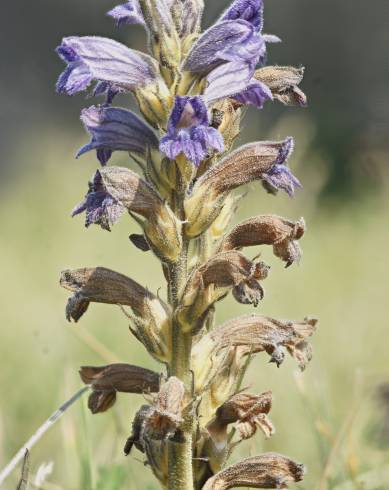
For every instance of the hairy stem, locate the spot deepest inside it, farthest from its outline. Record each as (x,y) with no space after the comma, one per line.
(181,452)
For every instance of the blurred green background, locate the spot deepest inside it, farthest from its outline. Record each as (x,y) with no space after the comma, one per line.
(335,416)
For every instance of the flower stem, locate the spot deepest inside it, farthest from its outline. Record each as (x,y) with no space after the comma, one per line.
(181,452)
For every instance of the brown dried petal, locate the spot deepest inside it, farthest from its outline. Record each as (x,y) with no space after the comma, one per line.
(163,421)
(106,381)
(268,230)
(254,334)
(270,470)
(247,412)
(101,401)
(155,450)
(121,377)
(101,285)
(283,81)
(248,163)
(139,197)
(130,190)
(244,165)
(212,281)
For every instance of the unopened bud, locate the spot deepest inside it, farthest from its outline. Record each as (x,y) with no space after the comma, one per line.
(163,36)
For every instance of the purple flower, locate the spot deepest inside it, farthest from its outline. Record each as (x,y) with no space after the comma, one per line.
(115,129)
(233,80)
(189,131)
(100,207)
(256,93)
(280,177)
(100,59)
(248,10)
(127,13)
(226,41)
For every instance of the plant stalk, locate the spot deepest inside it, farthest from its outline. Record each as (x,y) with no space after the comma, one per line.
(181,453)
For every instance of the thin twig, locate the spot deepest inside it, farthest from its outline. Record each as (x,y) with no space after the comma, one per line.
(23,484)
(39,433)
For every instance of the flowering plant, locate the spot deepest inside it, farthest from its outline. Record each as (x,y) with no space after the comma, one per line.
(191,90)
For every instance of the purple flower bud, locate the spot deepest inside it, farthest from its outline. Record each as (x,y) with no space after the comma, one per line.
(226,41)
(189,131)
(248,10)
(128,13)
(115,129)
(100,207)
(93,58)
(279,176)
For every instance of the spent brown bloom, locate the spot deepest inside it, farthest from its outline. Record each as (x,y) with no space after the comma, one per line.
(273,230)
(284,82)
(213,280)
(269,470)
(249,412)
(249,163)
(106,381)
(151,318)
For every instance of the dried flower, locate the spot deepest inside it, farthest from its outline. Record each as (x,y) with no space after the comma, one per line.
(212,281)
(249,412)
(248,335)
(283,82)
(272,230)
(99,285)
(106,381)
(264,161)
(167,411)
(270,470)
(114,190)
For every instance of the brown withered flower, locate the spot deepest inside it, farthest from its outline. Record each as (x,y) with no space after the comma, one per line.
(269,470)
(115,189)
(283,82)
(248,412)
(155,450)
(261,161)
(212,281)
(163,420)
(155,424)
(273,230)
(248,335)
(101,285)
(106,381)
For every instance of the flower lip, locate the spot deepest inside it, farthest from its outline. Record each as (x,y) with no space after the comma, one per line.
(280,177)
(100,206)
